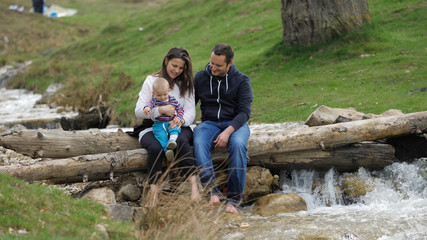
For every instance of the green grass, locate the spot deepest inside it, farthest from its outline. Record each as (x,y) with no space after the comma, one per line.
(42,212)
(102,44)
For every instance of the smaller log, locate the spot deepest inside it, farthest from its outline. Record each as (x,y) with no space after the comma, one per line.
(369,155)
(81,168)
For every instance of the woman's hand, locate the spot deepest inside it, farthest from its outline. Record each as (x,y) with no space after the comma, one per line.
(175,122)
(168,110)
(147,111)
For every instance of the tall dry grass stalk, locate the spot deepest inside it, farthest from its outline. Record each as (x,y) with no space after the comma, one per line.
(176,216)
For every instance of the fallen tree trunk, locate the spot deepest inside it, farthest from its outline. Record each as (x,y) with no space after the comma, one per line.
(369,155)
(372,156)
(80,168)
(56,143)
(63,144)
(329,136)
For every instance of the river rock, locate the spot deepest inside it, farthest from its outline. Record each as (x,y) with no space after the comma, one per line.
(120,212)
(276,203)
(129,192)
(258,183)
(102,195)
(354,187)
(50,91)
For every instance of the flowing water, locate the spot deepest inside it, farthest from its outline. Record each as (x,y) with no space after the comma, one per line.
(19,106)
(395,207)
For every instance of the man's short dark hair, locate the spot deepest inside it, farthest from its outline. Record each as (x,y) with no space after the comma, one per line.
(224,49)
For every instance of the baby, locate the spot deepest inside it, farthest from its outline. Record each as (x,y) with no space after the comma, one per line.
(167,137)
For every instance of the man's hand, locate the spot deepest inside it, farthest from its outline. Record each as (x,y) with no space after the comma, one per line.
(168,110)
(222,139)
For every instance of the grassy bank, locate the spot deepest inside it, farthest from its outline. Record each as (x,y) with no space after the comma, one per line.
(108,49)
(31,211)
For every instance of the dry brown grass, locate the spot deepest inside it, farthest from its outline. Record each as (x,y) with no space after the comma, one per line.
(176,216)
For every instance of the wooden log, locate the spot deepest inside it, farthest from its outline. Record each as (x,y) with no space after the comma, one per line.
(57,143)
(372,156)
(369,155)
(80,168)
(63,144)
(329,136)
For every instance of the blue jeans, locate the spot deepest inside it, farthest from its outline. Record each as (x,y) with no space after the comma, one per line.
(204,137)
(161,132)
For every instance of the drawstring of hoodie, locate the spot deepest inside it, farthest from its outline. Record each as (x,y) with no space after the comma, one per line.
(226,83)
(207,69)
(210,82)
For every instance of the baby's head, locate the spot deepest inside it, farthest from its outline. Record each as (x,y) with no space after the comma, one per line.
(161,89)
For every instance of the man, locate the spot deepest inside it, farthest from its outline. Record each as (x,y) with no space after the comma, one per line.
(38,6)
(226,97)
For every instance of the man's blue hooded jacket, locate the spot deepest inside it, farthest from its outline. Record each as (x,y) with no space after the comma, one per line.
(226,98)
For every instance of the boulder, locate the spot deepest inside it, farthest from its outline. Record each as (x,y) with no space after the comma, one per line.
(129,192)
(276,203)
(258,183)
(101,195)
(354,187)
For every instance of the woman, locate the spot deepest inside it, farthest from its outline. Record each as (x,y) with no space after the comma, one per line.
(178,71)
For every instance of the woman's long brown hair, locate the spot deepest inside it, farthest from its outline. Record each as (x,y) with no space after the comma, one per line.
(185,79)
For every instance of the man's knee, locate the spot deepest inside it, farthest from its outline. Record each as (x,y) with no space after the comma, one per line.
(238,143)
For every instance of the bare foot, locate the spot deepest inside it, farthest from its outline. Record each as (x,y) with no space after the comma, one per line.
(229,208)
(195,194)
(153,196)
(214,201)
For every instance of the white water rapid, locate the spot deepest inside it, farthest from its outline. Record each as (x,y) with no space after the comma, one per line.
(19,106)
(394,209)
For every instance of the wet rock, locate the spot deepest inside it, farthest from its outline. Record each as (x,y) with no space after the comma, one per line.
(276,203)
(258,183)
(354,187)
(330,195)
(102,195)
(229,217)
(8,72)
